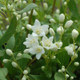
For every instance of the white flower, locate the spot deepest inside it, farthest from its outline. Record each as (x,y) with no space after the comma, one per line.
(68,24)
(57,45)
(45,5)
(51,31)
(14,64)
(38,29)
(67,76)
(47,42)
(70,50)
(75,33)
(38,50)
(61,17)
(31,41)
(60,30)
(9,52)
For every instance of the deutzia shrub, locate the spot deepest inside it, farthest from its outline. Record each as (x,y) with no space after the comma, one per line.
(39,40)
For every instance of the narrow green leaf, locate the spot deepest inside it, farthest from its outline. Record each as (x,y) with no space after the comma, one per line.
(74,10)
(11,30)
(28,8)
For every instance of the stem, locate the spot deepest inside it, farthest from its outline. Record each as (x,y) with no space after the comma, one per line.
(30,17)
(54,2)
(32,61)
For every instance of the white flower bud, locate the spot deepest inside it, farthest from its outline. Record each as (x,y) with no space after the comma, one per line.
(23,28)
(51,31)
(76,63)
(14,64)
(9,52)
(43,67)
(28,26)
(59,70)
(61,17)
(45,5)
(60,30)
(5,60)
(24,2)
(26,51)
(24,77)
(25,18)
(67,76)
(68,24)
(53,57)
(65,3)
(24,14)
(57,11)
(75,33)
(25,72)
(63,69)
(52,20)
(71,77)
(19,54)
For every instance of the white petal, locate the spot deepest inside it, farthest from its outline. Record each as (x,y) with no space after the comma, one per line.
(38,56)
(51,38)
(37,23)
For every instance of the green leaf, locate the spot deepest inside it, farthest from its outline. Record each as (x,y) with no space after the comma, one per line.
(59,76)
(11,30)
(27,56)
(28,8)
(2,52)
(3,73)
(11,43)
(74,10)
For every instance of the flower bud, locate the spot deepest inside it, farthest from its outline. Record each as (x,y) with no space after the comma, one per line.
(9,52)
(76,63)
(67,76)
(51,31)
(57,11)
(68,24)
(61,17)
(24,77)
(14,64)
(25,72)
(52,20)
(63,69)
(5,60)
(45,5)
(24,14)
(75,33)
(28,26)
(26,51)
(43,67)
(59,70)
(65,3)
(71,77)
(19,54)
(60,30)
(24,2)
